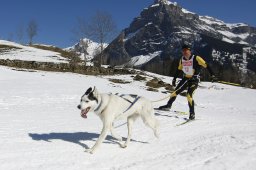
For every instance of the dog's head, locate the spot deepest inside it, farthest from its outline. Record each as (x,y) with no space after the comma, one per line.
(88,102)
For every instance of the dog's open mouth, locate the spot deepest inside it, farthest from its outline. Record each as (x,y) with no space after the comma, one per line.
(84,112)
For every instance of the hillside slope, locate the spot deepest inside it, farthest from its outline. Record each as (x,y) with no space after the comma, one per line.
(13,51)
(41,128)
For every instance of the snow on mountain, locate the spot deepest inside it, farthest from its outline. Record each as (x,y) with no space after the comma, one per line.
(86,48)
(210,20)
(142,59)
(232,35)
(41,128)
(167,2)
(13,51)
(226,30)
(186,11)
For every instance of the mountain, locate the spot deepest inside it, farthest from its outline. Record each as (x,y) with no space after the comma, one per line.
(153,42)
(86,49)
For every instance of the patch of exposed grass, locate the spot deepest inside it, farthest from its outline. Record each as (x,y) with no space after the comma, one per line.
(155,83)
(63,53)
(139,78)
(119,81)
(152,89)
(6,48)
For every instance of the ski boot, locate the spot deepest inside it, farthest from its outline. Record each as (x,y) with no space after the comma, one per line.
(165,107)
(191,116)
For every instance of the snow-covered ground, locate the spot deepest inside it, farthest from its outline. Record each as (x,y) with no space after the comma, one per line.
(41,128)
(27,53)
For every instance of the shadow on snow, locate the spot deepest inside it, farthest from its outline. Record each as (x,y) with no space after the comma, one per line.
(75,137)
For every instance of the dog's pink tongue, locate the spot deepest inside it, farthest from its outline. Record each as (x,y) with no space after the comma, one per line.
(84,114)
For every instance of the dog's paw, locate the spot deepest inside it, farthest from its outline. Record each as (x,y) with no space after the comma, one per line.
(89,151)
(156,135)
(123,145)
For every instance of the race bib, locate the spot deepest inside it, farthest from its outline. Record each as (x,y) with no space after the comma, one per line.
(187,66)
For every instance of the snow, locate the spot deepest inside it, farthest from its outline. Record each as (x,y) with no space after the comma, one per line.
(210,20)
(228,40)
(154,5)
(206,28)
(167,2)
(27,53)
(243,42)
(129,36)
(150,23)
(92,48)
(237,25)
(142,59)
(186,11)
(171,3)
(228,34)
(41,128)
(184,30)
(232,35)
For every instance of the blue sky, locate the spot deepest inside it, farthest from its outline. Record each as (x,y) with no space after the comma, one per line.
(57,18)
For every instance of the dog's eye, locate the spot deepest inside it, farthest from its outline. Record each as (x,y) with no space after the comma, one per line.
(86,101)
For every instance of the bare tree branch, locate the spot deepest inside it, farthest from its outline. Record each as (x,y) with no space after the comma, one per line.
(20,33)
(32,30)
(100,28)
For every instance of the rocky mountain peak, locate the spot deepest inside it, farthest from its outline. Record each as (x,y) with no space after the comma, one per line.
(154,39)
(161,1)
(165,2)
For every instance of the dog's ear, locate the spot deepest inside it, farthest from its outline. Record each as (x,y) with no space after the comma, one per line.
(93,95)
(95,92)
(88,91)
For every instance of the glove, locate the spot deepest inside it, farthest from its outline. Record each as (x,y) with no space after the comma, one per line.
(214,78)
(174,82)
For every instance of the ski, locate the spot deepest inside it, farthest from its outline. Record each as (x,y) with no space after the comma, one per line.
(185,122)
(179,112)
(174,111)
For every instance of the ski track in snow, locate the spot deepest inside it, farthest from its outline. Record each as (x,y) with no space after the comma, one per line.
(41,128)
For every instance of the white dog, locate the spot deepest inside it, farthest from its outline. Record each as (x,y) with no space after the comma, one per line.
(110,107)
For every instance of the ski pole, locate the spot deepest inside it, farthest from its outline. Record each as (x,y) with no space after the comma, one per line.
(170,94)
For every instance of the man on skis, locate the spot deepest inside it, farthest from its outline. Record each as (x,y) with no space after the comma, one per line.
(191,66)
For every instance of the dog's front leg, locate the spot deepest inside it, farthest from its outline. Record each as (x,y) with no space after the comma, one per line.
(102,137)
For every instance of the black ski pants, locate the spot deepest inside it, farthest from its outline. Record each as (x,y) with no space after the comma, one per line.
(189,84)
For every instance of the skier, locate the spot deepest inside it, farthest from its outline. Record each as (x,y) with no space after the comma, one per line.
(191,66)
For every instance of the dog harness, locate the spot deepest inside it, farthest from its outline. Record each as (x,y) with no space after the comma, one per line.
(98,107)
(136,98)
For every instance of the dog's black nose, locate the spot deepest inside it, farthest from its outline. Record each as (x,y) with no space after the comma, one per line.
(79,106)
